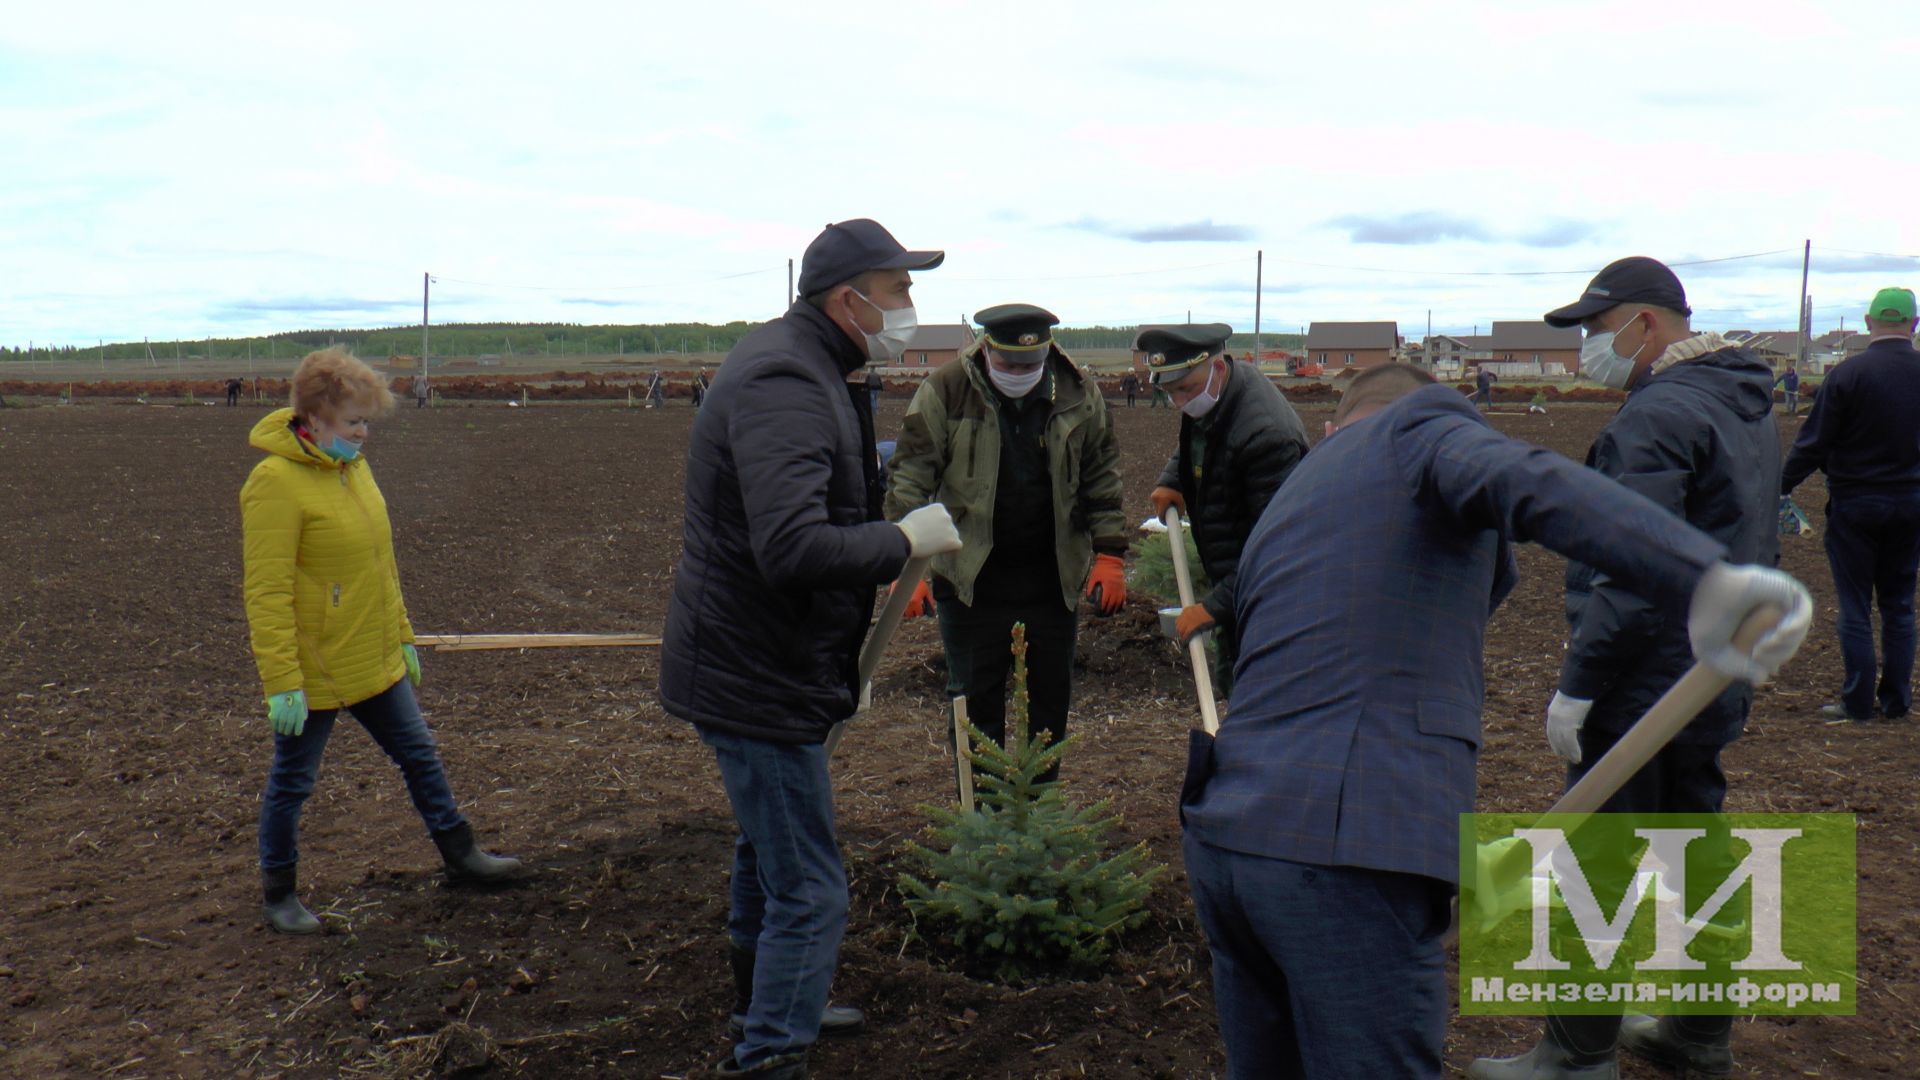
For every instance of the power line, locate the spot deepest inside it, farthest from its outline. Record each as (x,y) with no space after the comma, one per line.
(607,288)
(1856,251)
(1092,277)
(1511,273)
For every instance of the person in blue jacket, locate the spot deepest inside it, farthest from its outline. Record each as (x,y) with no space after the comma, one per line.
(1864,433)
(1324,848)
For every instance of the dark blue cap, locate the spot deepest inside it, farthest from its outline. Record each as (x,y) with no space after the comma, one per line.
(846,249)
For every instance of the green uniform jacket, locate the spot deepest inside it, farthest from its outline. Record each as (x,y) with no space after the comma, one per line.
(949,452)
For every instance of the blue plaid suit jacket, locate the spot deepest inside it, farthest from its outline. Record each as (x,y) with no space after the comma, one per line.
(1363,599)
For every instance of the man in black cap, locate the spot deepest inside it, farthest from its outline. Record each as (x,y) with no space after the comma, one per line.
(783,547)
(1864,433)
(1015,440)
(1697,436)
(1239,441)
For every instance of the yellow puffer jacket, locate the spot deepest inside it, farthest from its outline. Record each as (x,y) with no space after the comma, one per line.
(323,594)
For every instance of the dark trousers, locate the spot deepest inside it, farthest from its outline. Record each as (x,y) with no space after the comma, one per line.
(1681,779)
(1873,546)
(1322,971)
(1130,397)
(393,718)
(233,397)
(1226,650)
(979,645)
(788,898)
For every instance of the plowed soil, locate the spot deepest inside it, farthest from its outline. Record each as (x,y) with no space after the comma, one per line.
(135,750)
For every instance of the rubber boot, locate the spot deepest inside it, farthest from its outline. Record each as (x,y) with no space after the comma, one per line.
(836,1021)
(785,1067)
(1703,1044)
(1571,1048)
(282,908)
(466,863)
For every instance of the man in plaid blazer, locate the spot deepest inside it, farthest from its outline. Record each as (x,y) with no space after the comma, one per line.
(1323,849)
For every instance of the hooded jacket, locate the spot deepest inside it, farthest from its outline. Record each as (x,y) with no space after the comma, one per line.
(782,545)
(1250,443)
(1698,438)
(949,452)
(324,610)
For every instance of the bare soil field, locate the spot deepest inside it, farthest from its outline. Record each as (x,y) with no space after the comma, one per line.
(135,749)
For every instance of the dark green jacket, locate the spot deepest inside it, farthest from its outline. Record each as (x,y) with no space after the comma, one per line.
(1251,441)
(949,452)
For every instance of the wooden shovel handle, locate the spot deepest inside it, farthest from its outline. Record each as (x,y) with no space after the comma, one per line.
(1196,649)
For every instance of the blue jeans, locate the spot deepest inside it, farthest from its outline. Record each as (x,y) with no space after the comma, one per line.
(1873,546)
(393,718)
(1322,971)
(789,890)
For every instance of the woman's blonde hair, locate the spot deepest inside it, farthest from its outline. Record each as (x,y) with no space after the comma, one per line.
(330,379)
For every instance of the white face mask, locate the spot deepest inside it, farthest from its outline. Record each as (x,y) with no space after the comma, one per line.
(1203,402)
(896,329)
(1018,382)
(1600,363)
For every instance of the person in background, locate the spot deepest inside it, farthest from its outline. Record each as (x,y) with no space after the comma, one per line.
(1130,386)
(1239,441)
(420,391)
(328,624)
(874,386)
(233,392)
(1323,844)
(783,546)
(1017,442)
(1789,383)
(1864,433)
(1483,381)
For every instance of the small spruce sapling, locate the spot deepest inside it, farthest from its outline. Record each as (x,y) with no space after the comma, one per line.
(1023,884)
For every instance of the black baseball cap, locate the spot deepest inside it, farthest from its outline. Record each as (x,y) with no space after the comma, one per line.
(845,249)
(1632,280)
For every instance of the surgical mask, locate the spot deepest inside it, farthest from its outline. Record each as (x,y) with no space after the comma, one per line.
(340,449)
(1600,363)
(1202,403)
(896,329)
(1019,382)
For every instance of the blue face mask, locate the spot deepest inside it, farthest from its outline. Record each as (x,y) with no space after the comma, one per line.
(341,449)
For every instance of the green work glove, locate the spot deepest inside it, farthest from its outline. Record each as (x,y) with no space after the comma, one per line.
(412,657)
(288,712)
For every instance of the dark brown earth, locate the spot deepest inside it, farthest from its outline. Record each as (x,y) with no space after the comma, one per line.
(134,752)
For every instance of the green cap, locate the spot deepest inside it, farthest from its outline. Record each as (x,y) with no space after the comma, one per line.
(1891,305)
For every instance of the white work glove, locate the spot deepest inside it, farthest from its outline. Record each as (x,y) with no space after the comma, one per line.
(1724,598)
(930,531)
(1565,715)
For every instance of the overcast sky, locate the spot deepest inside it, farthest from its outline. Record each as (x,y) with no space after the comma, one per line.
(193,169)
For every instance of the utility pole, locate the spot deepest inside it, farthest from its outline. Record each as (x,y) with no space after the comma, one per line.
(426,284)
(789,282)
(1259,262)
(1806,310)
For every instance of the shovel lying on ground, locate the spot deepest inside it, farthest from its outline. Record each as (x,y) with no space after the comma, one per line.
(1200,739)
(1507,860)
(883,628)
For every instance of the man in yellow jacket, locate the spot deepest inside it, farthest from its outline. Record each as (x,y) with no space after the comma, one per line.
(328,625)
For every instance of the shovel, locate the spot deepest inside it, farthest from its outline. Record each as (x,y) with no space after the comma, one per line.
(1200,739)
(883,628)
(1506,859)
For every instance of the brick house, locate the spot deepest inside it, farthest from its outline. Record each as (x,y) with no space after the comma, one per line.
(1533,341)
(1351,346)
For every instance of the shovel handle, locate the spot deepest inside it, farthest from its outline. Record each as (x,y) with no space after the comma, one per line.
(1675,710)
(1196,649)
(883,629)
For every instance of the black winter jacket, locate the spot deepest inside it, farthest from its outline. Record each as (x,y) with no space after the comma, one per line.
(1699,439)
(782,544)
(1253,440)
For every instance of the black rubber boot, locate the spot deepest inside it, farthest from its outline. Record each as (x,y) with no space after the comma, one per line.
(838,1020)
(466,863)
(1703,1044)
(785,1067)
(1571,1048)
(282,908)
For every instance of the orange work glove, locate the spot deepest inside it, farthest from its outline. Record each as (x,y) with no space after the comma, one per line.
(1193,619)
(1107,585)
(1164,497)
(922,602)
